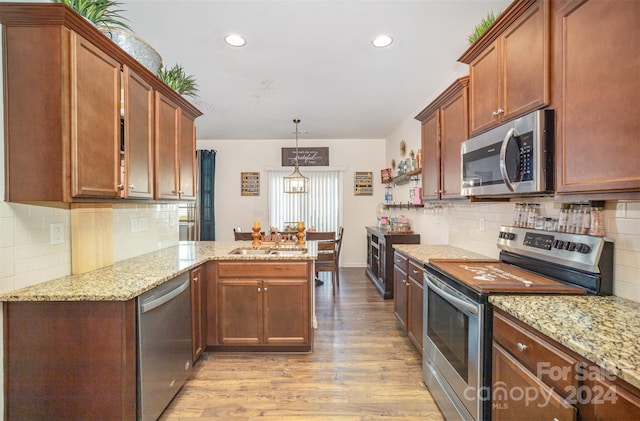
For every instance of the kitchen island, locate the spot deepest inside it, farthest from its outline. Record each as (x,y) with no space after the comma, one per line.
(72,344)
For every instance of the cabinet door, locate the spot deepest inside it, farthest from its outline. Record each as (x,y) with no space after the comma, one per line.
(95,121)
(597,147)
(187,158)
(400,292)
(286,311)
(519,395)
(198,313)
(524,50)
(415,303)
(430,157)
(239,311)
(484,82)
(453,131)
(138,136)
(167,126)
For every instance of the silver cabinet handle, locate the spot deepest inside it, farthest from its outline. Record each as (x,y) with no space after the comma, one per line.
(195,279)
(415,271)
(120,187)
(265,289)
(131,187)
(494,114)
(259,289)
(521,347)
(500,111)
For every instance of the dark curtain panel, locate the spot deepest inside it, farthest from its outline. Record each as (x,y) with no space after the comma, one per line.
(207,188)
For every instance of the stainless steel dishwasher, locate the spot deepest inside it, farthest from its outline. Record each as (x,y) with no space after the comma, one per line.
(164,345)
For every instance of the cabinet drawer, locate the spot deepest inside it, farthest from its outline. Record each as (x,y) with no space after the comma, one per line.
(400,261)
(415,271)
(263,270)
(553,366)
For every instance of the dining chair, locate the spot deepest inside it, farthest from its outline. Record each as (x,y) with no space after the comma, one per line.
(243,235)
(327,260)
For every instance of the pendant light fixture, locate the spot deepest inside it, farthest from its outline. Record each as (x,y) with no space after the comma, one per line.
(296,182)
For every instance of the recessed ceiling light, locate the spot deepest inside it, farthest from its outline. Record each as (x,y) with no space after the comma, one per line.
(382,41)
(235,40)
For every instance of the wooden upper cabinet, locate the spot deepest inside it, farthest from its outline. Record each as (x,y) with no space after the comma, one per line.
(95,121)
(431,157)
(187,153)
(509,66)
(167,128)
(597,93)
(175,151)
(444,127)
(62,100)
(138,136)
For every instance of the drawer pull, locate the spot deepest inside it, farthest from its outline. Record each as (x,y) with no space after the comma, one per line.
(521,347)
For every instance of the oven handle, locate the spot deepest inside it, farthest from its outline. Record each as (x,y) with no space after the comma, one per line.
(453,300)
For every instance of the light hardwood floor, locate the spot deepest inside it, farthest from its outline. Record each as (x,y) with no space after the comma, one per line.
(362,368)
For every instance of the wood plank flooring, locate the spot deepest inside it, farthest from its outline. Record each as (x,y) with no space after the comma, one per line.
(362,368)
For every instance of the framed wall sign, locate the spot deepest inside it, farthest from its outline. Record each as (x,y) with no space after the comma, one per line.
(307,157)
(250,183)
(363,183)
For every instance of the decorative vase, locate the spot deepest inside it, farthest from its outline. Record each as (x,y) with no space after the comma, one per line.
(136,48)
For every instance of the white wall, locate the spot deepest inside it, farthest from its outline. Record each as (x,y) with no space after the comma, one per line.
(236,156)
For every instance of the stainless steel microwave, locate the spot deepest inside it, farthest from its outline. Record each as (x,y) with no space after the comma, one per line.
(513,159)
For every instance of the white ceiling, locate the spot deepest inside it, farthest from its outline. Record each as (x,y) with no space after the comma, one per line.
(309,59)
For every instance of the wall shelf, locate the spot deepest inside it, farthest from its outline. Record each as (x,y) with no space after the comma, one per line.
(406,177)
(402,205)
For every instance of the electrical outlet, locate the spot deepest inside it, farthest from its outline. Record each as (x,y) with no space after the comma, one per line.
(482,225)
(57,233)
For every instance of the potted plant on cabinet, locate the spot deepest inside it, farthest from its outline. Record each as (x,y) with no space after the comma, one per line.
(179,81)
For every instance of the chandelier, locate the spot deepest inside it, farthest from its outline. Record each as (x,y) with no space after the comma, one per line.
(296,182)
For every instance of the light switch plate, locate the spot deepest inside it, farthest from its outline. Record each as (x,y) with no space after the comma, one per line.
(56,233)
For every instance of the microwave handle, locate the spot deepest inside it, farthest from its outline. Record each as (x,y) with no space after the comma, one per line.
(503,154)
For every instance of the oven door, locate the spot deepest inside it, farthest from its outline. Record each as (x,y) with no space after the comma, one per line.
(452,349)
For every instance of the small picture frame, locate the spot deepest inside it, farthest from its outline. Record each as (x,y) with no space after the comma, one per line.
(250,183)
(363,183)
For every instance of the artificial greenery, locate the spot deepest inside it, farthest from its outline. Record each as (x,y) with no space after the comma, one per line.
(102,13)
(481,27)
(179,81)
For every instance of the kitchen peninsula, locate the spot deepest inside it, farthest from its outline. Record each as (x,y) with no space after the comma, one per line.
(71,344)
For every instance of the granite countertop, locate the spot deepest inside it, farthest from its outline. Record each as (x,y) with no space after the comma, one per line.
(604,330)
(129,278)
(424,253)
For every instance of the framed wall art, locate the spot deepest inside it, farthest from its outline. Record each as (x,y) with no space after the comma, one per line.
(250,183)
(363,183)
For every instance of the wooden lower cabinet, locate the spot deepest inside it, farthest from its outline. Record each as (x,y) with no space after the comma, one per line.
(263,306)
(536,378)
(70,360)
(198,278)
(408,298)
(519,395)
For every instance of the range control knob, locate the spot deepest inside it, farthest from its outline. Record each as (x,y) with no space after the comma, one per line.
(583,248)
(559,244)
(571,246)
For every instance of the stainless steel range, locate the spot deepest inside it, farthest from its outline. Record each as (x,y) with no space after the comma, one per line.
(458,317)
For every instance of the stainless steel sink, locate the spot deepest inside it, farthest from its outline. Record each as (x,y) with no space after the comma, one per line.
(288,251)
(284,251)
(250,252)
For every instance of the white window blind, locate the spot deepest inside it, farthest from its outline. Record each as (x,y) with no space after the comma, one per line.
(320,208)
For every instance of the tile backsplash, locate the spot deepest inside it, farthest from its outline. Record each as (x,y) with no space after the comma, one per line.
(474,226)
(27,256)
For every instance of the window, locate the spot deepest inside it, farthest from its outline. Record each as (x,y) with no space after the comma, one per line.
(320,208)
